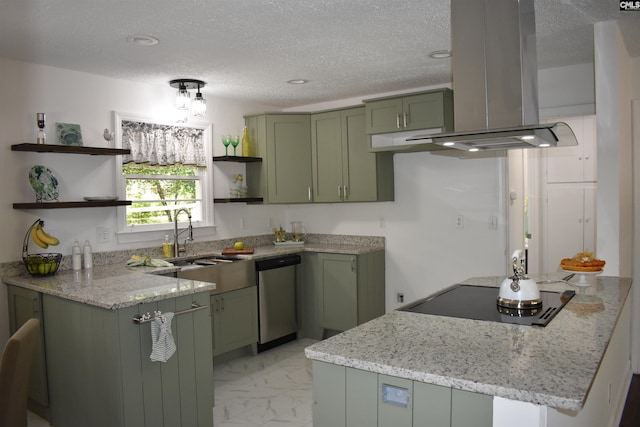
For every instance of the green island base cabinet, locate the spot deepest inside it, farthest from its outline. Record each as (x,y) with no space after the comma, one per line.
(89,347)
(340,292)
(348,397)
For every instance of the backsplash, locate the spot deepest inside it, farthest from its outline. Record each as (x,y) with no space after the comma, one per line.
(120,257)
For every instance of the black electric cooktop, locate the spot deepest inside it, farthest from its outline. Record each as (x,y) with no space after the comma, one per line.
(480,303)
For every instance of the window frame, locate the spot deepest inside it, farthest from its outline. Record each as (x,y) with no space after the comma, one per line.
(205,176)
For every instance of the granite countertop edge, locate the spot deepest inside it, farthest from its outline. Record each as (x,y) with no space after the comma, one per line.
(490,357)
(115,286)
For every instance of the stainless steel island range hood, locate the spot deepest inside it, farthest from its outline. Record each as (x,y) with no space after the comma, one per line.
(495,82)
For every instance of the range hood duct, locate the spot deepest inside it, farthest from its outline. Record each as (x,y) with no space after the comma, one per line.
(495,80)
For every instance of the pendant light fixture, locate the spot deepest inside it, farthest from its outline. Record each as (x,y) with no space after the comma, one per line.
(199,107)
(183,98)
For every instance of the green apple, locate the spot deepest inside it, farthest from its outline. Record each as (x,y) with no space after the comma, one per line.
(238,246)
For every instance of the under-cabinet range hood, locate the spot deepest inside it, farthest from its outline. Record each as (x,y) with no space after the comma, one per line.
(495,81)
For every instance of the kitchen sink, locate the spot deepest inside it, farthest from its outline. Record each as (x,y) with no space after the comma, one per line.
(227,273)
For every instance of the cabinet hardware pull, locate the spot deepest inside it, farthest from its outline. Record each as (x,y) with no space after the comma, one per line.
(344,191)
(146,318)
(339,195)
(36,307)
(222,303)
(309,192)
(398,121)
(406,119)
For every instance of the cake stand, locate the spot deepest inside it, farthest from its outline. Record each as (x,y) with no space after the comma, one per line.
(582,276)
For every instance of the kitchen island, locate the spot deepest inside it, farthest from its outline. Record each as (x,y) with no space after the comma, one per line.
(94,366)
(573,372)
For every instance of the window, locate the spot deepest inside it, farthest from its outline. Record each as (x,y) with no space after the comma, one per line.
(157,191)
(168,169)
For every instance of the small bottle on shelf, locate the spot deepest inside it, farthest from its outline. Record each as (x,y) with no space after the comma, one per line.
(41,136)
(246,143)
(167,247)
(88,256)
(76,256)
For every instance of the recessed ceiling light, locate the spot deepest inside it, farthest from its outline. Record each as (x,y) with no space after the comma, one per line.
(527,137)
(297,81)
(474,149)
(440,54)
(448,144)
(142,40)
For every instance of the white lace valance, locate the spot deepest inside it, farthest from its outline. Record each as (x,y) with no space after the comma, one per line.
(162,144)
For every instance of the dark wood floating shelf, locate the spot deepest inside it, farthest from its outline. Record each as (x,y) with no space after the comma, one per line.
(65,205)
(69,149)
(239,159)
(240,200)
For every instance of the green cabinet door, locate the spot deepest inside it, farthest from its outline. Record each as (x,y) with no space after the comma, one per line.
(367,177)
(25,304)
(468,408)
(337,292)
(327,157)
(329,398)
(340,291)
(235,319)
(424,110)
(384,116)
(284,143)
(343,168)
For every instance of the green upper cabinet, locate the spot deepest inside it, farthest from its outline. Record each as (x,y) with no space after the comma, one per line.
(425,110)
(343,168)
(283,142)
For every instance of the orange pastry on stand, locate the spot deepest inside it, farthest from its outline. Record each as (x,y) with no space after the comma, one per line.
(583,264)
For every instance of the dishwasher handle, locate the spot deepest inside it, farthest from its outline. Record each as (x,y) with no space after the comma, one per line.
(278,262)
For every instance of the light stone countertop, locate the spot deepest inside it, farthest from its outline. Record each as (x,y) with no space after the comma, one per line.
(110,286)
(551,366)
(114,285)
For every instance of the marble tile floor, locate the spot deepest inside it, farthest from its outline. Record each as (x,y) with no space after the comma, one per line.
(268,390)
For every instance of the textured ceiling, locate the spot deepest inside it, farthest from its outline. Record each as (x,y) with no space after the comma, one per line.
(248,49)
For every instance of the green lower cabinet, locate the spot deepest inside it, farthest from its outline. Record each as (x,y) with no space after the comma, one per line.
(471,409)
(340,291)
(348,397)
(362,390)
(329,395)
(100,373)
(234,320)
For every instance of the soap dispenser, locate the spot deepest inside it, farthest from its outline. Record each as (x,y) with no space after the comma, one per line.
(76,256)
(88,256)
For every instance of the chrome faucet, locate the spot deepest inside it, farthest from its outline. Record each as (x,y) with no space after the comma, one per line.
(177,250)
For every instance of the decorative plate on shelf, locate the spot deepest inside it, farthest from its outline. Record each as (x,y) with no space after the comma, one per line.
(69,134)
(44,183)
(101,198)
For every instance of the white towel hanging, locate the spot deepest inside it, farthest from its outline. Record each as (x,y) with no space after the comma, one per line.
(162,342)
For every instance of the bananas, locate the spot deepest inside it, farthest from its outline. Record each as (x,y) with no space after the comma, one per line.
(41,238)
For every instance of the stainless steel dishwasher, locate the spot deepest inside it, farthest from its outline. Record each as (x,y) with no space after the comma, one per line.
(276,279)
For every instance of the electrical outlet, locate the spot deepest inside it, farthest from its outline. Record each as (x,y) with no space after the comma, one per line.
(400,297)
(383,222)
(459,221)
(102,235)
(243,222)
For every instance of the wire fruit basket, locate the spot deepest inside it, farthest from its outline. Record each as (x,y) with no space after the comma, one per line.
(41,265)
